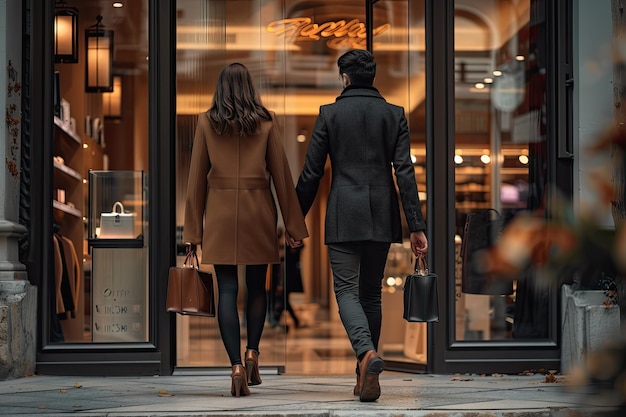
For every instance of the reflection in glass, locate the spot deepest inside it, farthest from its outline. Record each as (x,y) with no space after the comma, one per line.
(499,156)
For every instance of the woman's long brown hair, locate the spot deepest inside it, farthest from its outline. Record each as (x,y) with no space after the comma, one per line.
(236,106)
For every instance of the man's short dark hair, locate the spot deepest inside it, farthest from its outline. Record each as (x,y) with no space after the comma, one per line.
(360,66)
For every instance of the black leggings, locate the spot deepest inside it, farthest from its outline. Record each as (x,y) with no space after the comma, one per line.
(227,312)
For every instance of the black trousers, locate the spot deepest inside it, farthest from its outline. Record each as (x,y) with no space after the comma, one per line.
(357,274)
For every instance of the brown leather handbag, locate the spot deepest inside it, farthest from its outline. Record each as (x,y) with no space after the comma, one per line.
(190,290)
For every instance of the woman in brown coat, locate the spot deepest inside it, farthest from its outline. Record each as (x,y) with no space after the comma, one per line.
(231,212)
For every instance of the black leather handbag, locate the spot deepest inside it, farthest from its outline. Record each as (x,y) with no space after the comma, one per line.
(421,303)
(481,231)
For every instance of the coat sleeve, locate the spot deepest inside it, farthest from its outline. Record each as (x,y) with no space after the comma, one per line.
(58,276)
(197,184)
(314,164)
(405,177)
(278,166)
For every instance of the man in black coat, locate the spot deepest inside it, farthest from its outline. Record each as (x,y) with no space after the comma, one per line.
(368,141)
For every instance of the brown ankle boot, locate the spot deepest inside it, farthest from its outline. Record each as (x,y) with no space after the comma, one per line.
(252,367)
(369,369)
(239,386)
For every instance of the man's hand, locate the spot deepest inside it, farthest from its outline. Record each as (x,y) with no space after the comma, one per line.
(419,243)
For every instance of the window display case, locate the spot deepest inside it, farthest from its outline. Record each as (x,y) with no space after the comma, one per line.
(116,208)
(116,230)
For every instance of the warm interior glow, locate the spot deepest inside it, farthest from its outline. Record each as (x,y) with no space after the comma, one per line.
(112,102)
(63,35)
(98,61)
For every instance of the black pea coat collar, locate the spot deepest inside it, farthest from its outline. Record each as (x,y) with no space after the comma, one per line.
(360,90)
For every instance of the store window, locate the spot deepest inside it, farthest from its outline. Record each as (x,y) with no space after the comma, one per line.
(500,160)
(99,289)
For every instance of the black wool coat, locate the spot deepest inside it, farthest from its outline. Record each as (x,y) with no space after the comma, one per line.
(368,141)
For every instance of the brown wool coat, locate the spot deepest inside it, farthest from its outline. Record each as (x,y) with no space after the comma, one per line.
(229,189)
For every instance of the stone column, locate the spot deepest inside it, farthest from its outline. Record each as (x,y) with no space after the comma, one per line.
(18,298)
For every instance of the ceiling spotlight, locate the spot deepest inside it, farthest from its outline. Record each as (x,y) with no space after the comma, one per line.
(497,73)
(458,159)
(485,159)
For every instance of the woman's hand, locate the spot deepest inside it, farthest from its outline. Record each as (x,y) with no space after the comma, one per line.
(292,242)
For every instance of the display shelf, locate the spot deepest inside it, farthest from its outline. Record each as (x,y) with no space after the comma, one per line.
(68,213)
(59,123)
(67,209)
(68,171)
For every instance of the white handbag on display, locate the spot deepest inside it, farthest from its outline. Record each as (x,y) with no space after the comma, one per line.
(117,224)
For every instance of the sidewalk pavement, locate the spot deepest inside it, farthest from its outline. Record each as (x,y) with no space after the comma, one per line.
(410,395)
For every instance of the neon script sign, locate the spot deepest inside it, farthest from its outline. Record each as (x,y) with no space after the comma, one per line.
(339,34)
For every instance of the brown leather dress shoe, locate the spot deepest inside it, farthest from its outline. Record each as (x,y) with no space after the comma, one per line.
(357,387)
(369,369)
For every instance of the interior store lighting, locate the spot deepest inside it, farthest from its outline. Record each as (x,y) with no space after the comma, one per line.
(112,102)
(485,158)
(458,159)
(65,33)
(99,64)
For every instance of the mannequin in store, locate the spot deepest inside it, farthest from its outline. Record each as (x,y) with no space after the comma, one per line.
(363,135)
(231,212)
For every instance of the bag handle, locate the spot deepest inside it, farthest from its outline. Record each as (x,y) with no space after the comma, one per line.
(421,267)
(116,205)
(191,257)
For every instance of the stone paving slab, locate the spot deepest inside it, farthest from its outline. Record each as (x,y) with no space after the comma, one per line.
(403,395)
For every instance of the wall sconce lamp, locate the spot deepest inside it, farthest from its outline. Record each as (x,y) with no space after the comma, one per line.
(65,33)
(99,65)
(112,102)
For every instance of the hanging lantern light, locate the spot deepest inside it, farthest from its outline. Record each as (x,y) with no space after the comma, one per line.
(65,33)
(99,59)
(112,102)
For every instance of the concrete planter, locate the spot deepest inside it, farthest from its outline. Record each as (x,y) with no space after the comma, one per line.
(586,324)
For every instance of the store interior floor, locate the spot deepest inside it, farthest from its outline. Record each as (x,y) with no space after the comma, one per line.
(319,346)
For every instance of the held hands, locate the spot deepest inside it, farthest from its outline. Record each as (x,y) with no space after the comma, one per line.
(419,243)
(292,242)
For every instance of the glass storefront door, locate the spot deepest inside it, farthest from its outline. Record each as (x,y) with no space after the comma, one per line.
(500,153)
(210,35)
(503,160)
(398,29)
(291,49)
